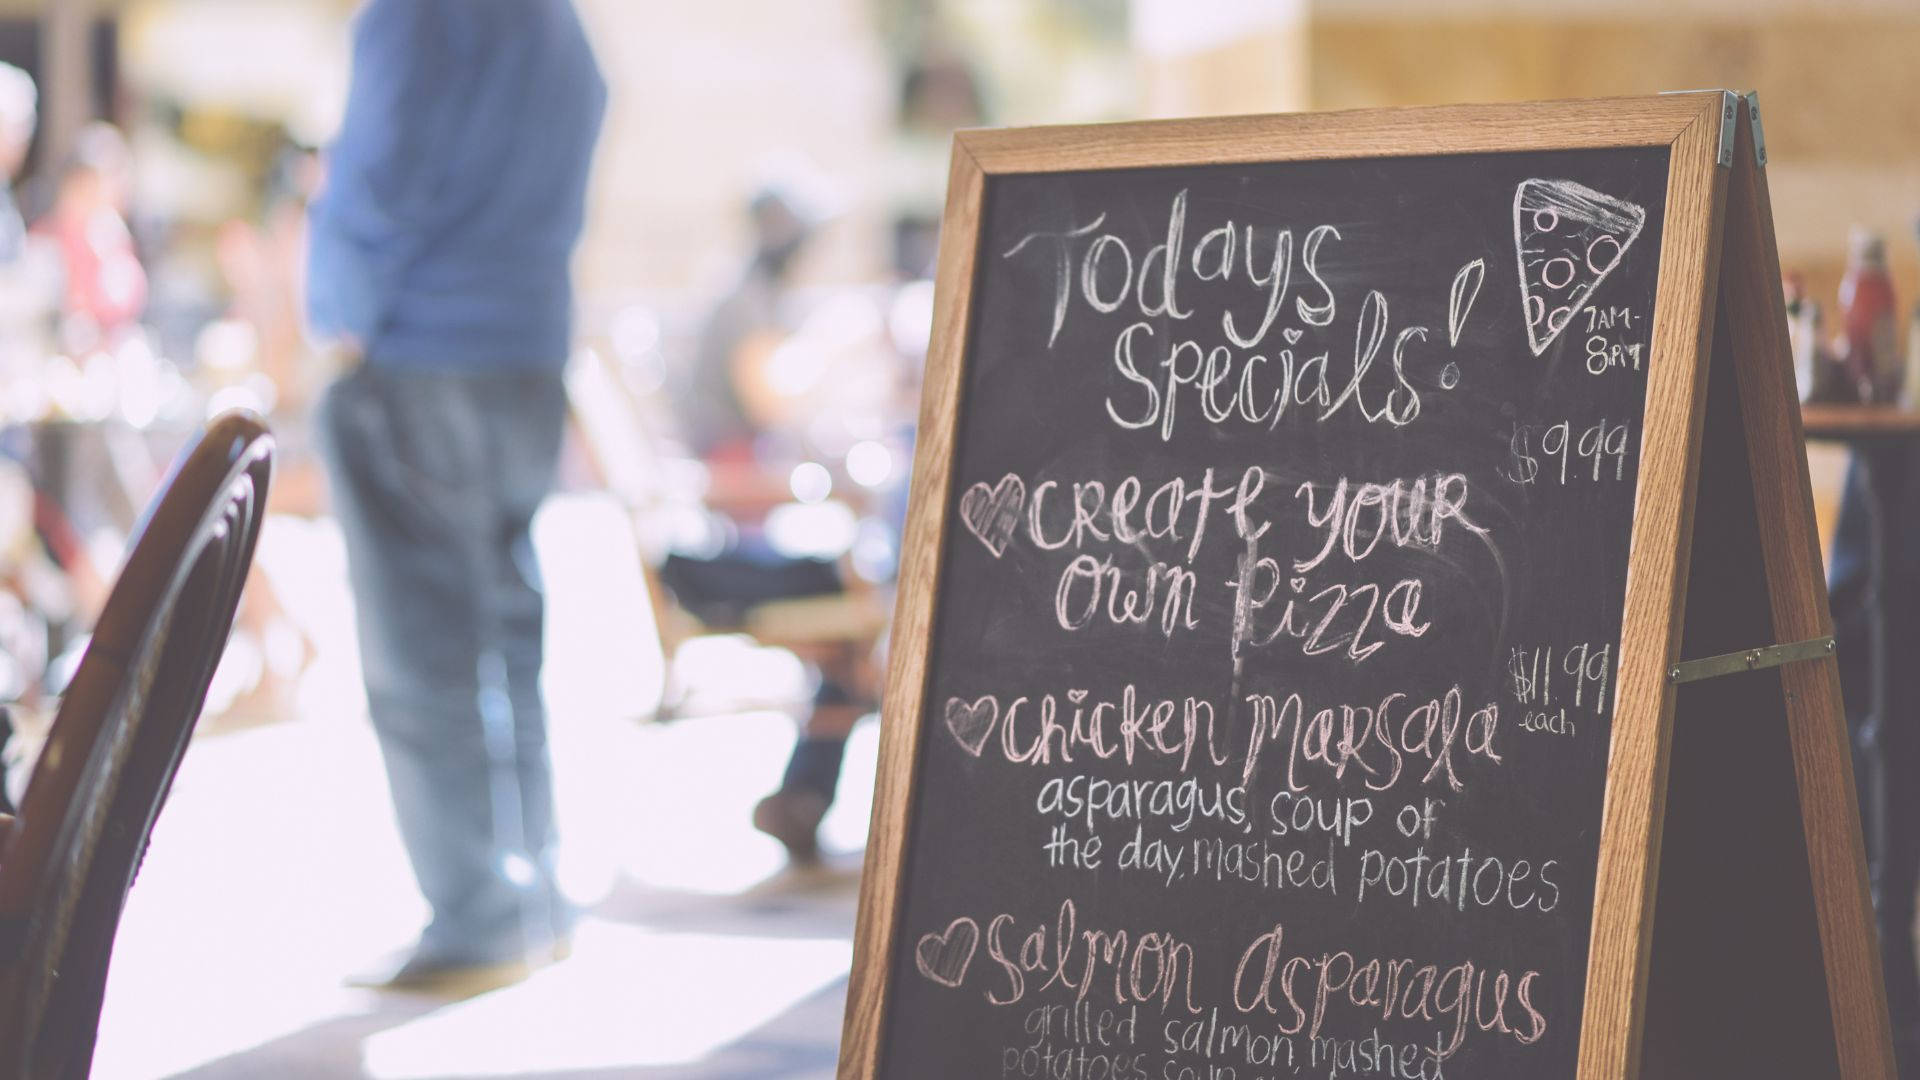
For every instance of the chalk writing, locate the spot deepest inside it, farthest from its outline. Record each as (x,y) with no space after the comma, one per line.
(1267,738)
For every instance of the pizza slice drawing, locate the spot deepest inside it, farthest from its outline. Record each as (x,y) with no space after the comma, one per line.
(1569,238)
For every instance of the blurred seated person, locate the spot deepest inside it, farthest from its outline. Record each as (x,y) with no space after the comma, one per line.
(728,412)
(106,288)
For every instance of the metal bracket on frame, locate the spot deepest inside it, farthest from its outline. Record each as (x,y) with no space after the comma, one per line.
(1759,136)
(1712,667)
(1729,115)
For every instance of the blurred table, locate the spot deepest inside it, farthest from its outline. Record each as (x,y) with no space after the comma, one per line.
(1885,441)
(1859,423)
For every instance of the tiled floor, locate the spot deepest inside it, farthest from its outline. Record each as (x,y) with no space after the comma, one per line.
(275,872)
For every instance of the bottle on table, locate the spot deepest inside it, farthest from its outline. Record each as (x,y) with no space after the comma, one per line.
(1868,344)
(1803,335)
(1910,397)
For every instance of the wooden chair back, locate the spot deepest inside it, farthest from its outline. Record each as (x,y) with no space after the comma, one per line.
(115,744)
(631,463)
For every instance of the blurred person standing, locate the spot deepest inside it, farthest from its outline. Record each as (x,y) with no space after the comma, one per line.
(439,259)
(106,287)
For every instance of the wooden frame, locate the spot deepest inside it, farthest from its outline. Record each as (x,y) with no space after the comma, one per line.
(1797,595)
(1690,278)
(1631,818)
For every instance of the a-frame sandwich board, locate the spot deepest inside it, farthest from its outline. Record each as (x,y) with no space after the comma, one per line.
(1731,931)
(1761,959)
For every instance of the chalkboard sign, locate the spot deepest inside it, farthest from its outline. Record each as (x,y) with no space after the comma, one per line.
(1282,679)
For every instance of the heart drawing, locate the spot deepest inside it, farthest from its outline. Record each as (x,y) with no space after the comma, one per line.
(992,513)
(944,957)
(971,724)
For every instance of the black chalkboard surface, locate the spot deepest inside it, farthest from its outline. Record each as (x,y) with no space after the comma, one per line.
(1267,675)
(1317,677)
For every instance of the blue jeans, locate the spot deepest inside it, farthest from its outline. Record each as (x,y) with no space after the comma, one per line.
(435,479)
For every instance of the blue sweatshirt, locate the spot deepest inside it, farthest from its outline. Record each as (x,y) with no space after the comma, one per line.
(456,188)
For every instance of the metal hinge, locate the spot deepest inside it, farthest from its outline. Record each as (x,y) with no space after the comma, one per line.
(1759,135)
(1709,667)
(1729,116)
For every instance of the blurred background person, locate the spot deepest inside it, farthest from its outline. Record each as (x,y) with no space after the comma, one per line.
(729,406)
(439,250)
(29,292)
(938,94)
(717,393)
(106,287)
(262,264)
(19,108)
(29,272)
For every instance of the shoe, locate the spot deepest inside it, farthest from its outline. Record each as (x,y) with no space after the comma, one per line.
(419,971)
(443,977)
(792,816)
